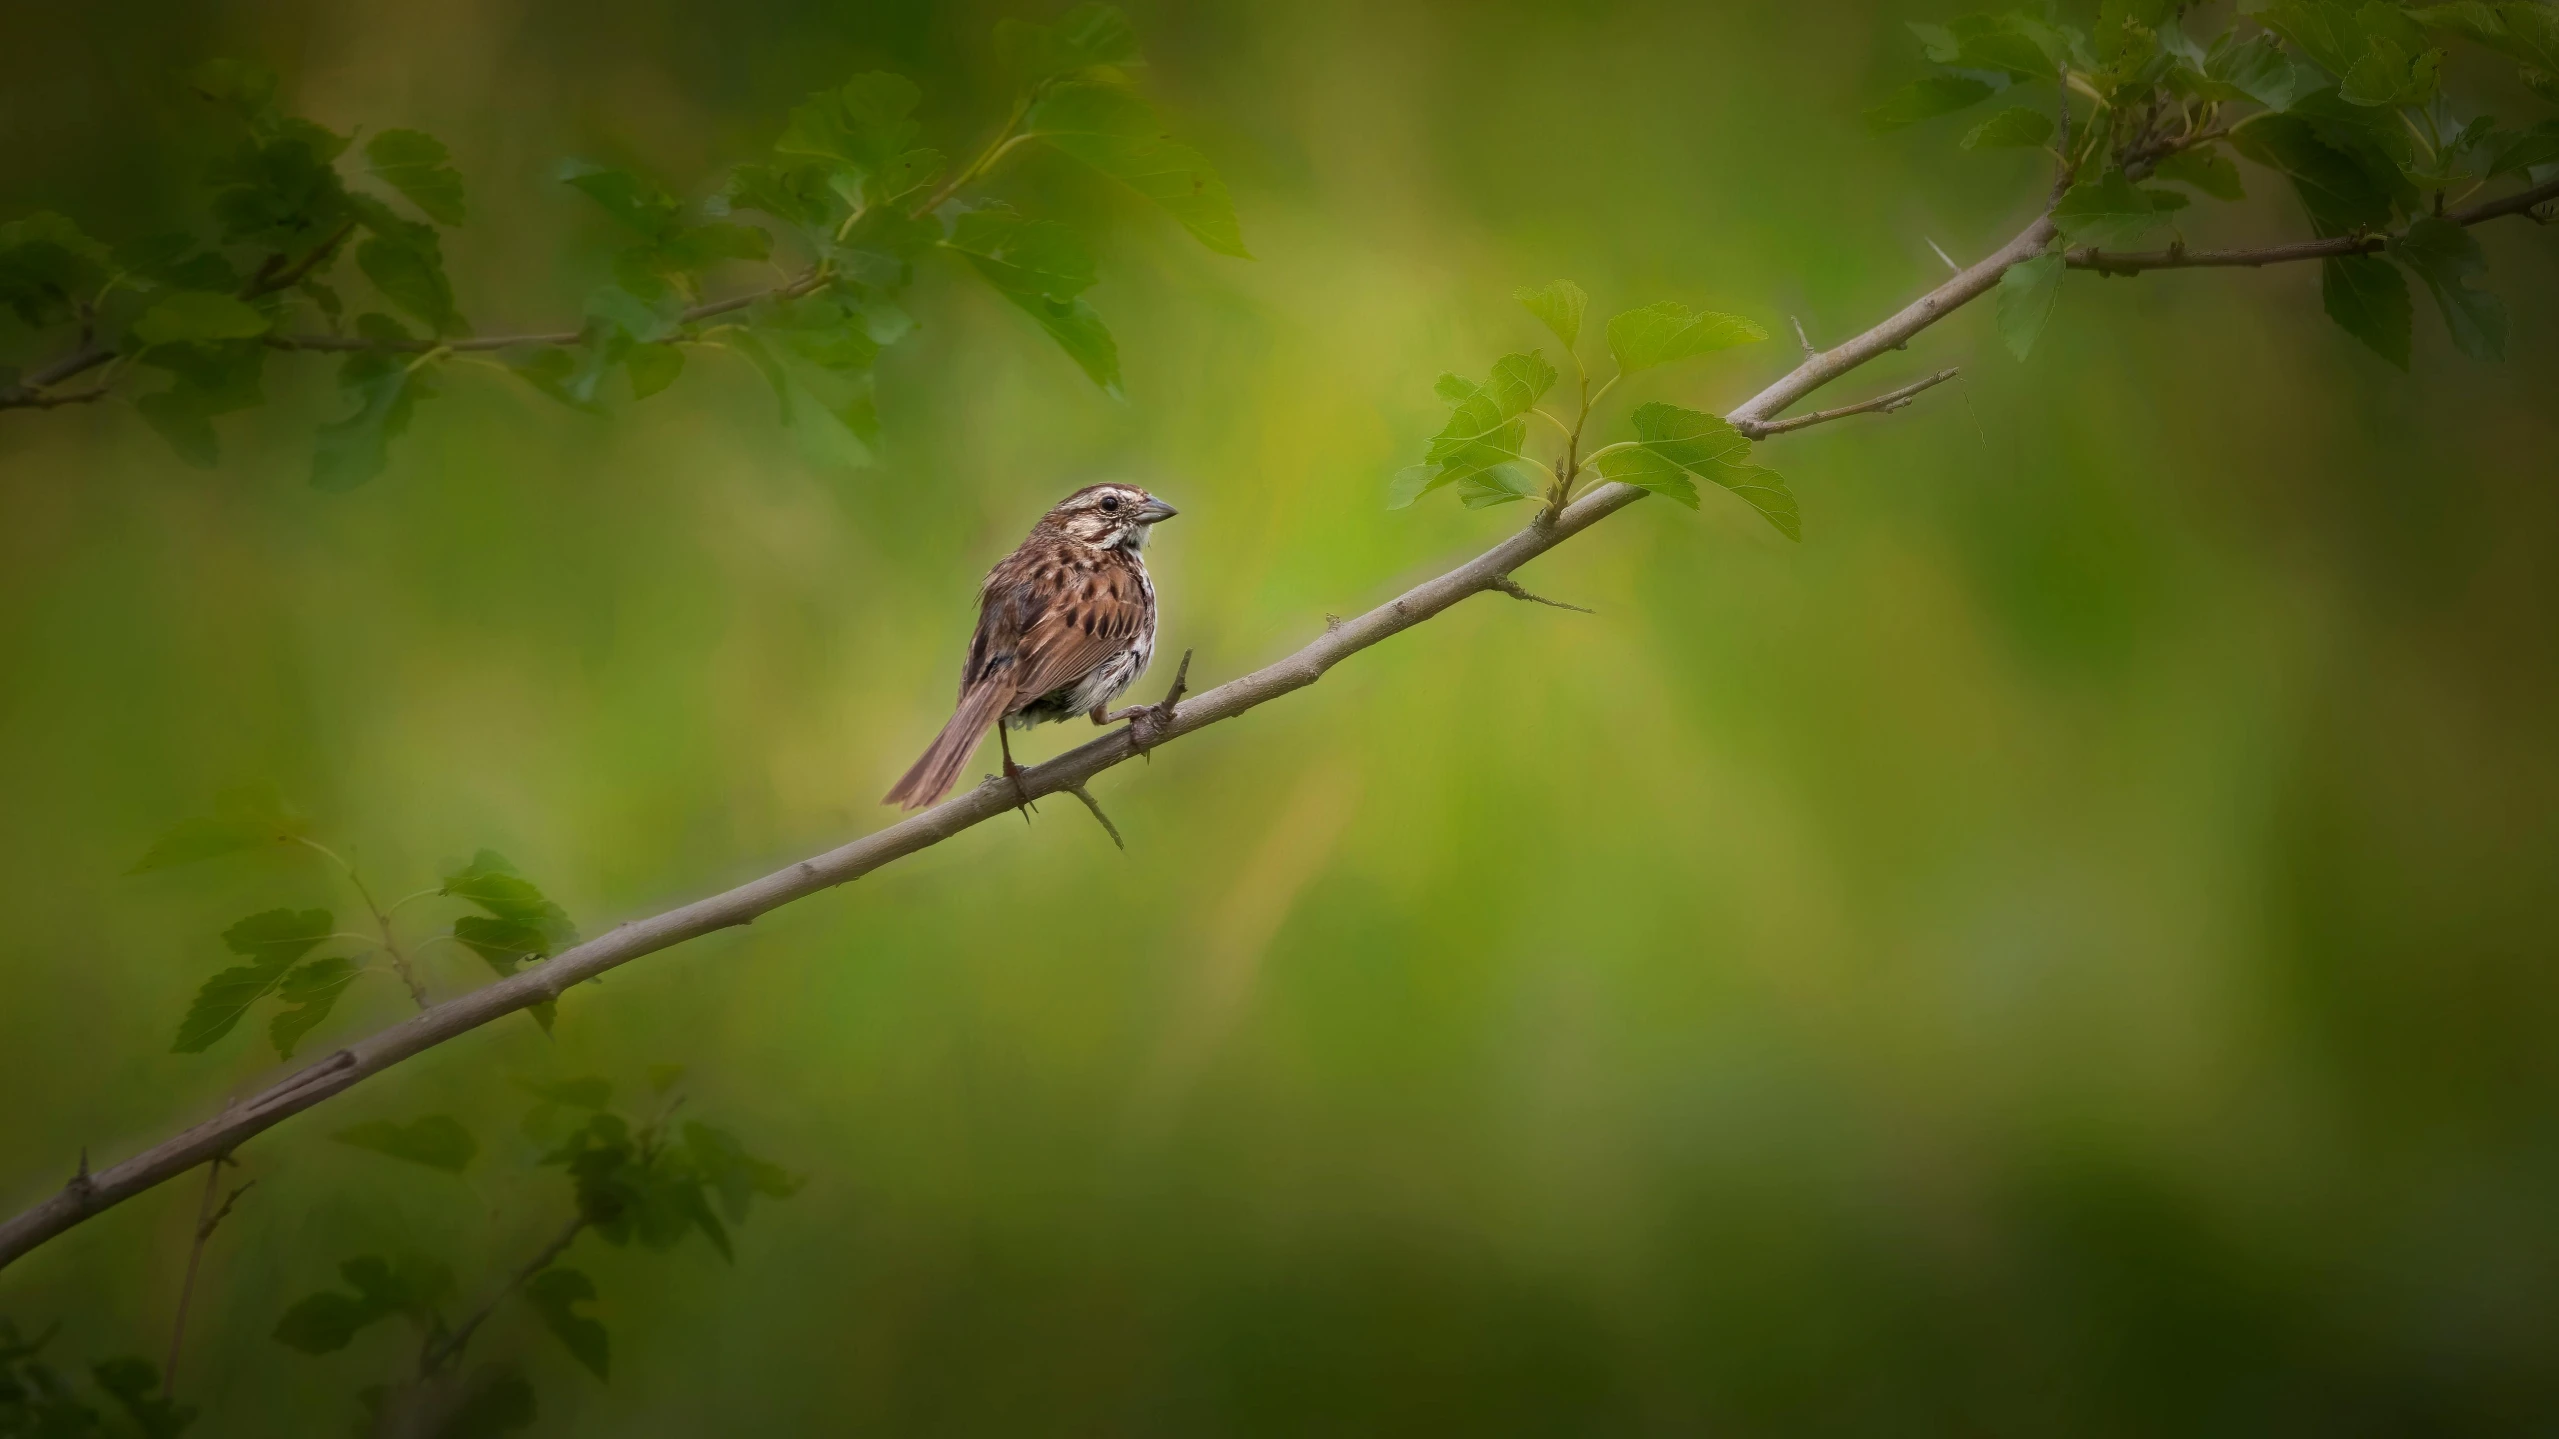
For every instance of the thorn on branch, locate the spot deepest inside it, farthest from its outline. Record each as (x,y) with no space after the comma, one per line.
(1515,590)
(1810,352)
(1080,792)
(81,1185)
(1942,255)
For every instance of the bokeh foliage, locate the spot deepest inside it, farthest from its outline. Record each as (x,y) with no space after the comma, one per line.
(2062,949)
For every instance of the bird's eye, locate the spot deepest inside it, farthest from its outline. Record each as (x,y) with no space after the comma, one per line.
(1110,504)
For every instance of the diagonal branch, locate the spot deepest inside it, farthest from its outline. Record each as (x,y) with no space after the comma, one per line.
(90,1194)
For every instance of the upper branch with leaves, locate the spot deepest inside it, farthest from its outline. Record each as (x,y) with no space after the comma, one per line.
(2345,102)
(849,205)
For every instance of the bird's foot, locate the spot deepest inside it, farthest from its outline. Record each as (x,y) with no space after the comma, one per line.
(1021,791)
(1149,725)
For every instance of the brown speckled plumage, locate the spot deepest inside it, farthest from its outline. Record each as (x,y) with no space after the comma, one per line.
(1065,625)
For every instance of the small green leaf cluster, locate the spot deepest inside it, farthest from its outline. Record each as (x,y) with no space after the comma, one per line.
(273,948)
(643,1181)
(37,1402)
(848,189)
(2344,100)
(1482,450)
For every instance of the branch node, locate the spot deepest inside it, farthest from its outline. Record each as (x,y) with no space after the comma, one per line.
(1080,792)
(1513,588)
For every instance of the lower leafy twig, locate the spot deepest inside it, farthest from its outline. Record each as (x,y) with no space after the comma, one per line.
(1517,591)
(1883,404)
(208,1219)
(442,1351)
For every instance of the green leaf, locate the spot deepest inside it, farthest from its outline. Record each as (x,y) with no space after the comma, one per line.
(554,1295)
(1109,128)
(1557,306)
(418,166)
(408,268)
(2013,128)
(1499,485)
(864,129)
(134,1384)
(1696,443)
(1082,38)
(209,378)
(2447,257)
(653,368)
(2016,47)
(312,990)
(325,1322)
(1926,99)
(329,1320)
(1765,491)
(2368,296)
(1659,334)
(1646,468)
(2337,190)
(2527,150)
(2109,212)
(2206,171)
(437,1141)
(243,819)
(733,1174)
(187,315)
(1040,257)
(283,935)
(1041,266)
(2258,69)
(797,195)
(2026,295)
(636,202)
(271,941)
(386,388)
(47,266)
(493,884)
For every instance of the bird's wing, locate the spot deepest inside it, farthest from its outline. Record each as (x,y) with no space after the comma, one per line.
(1068,639)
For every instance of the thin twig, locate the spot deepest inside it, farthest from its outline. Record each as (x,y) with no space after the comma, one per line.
(1810,352)
(1086,795)
(208,1219)
(439,1352)
(1515,590)
(1942,255)
(1883,404)
(2522,202)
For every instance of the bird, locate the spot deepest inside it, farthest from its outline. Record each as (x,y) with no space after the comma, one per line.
(1065,624)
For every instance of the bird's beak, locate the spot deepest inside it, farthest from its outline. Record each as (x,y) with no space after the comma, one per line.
(1155,511)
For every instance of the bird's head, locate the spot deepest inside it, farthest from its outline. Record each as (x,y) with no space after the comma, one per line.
(1108,517)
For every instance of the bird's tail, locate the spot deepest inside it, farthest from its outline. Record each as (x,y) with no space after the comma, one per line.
(932,776)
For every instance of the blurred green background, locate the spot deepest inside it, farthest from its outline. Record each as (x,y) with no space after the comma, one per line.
(2068,948)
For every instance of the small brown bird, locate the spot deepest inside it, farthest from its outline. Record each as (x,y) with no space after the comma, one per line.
(1064,626)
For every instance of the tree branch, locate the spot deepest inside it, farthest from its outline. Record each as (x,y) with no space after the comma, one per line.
(28,393)
(92,1194)
(1883,404)
(2177,257)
